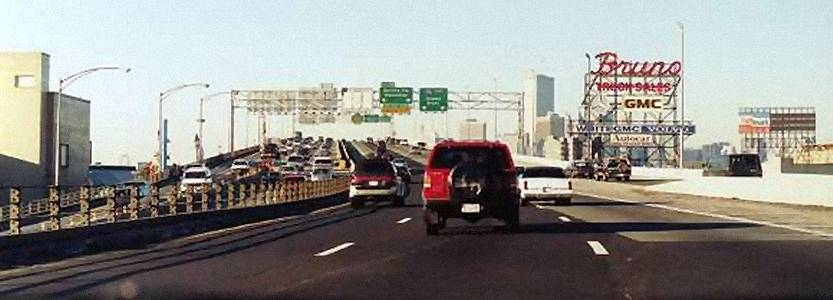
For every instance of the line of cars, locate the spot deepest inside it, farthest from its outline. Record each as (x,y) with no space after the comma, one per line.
(618,168)
(471,180)
(294,159)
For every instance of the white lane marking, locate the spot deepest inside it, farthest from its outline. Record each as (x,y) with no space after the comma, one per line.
(403,221)
(719,216)
(564,219)
(335,249)
(598,248)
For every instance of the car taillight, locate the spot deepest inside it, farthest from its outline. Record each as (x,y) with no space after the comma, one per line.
(526,185)
(426,182)
(569,185)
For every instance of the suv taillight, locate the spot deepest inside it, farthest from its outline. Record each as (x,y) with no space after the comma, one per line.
(526,185)
(434,185)
(570,184)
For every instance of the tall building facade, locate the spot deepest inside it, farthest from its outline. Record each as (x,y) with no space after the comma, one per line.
(27,125)
(539,99)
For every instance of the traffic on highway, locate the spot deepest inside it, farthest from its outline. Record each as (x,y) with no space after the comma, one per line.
(416,150)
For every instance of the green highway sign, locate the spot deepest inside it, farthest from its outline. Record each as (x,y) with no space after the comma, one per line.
(396,95)
(376,119)
(433,99)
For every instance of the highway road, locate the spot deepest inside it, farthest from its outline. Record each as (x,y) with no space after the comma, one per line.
(594,249)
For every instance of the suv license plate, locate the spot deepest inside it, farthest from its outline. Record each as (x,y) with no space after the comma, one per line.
(470,208)
(373,183)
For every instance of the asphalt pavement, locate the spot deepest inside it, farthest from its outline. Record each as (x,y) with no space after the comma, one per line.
(593,249)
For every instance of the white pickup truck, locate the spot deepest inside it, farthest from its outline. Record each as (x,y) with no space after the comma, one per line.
(545,183)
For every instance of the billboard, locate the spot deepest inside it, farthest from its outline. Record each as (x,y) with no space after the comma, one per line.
(632,140)
(643,103)
(650,129)
(792,121)
(753,122)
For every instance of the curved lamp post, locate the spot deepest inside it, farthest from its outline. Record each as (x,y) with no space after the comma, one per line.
(65,83)
(162,96)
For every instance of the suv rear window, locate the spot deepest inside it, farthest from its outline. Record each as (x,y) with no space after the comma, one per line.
(375,167)
(551,172)
(447,158)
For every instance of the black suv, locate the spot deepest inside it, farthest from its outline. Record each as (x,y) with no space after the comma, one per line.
(470,180)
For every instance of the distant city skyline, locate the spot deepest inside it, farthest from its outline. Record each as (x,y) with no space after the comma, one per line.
(737,54)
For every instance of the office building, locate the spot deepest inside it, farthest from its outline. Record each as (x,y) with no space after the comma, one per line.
(27,125)
(539,100)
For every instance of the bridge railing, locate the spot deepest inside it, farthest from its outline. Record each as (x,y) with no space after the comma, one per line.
(87,206)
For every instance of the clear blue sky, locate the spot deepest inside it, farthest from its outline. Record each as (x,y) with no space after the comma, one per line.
(738,53)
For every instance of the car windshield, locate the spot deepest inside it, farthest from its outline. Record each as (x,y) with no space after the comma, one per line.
(538,172)
(296,159)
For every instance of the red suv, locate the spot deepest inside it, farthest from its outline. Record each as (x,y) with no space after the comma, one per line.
(470,180)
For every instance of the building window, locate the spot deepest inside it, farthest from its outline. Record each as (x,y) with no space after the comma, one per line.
(64,156)
(24,81)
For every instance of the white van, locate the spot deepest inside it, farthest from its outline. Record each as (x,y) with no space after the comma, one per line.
(195,177)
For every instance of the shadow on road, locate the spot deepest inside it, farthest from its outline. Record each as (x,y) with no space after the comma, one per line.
(181,254)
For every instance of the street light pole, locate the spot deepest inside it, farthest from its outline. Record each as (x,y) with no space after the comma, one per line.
(682,92)
(162,96)
(588,117)
(63,84)
(201,120)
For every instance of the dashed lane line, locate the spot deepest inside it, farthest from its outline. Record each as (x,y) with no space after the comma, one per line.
(598,248)
(403,221)
(335,249)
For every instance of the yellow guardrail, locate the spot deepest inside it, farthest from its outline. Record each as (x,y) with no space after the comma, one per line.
(194,200)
